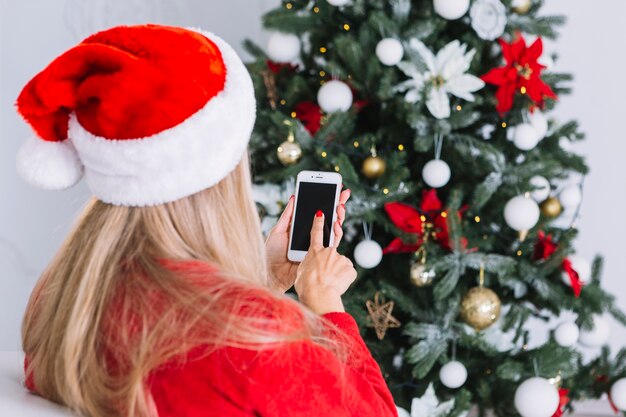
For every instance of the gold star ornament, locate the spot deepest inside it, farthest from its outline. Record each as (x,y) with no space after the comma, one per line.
(380,317)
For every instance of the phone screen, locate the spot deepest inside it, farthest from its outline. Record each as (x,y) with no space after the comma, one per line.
(311,197)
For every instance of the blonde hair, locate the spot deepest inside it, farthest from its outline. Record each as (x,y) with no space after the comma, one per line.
(116,302)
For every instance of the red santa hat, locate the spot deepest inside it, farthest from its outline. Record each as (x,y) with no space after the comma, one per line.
(148,114)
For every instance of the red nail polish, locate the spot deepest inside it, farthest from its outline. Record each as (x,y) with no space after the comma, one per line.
(344,206)
(318,213)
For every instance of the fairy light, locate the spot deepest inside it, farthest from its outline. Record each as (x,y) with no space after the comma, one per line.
(336,168)
(503,125)
(423,218)
(323,49)
(346,27)
(385,190)
(316,9)
(444,214)
(283,102)
(519,252)
(400,147)
(458,107)
(522,90)
(355,143)
(477,219)
(324,154)
(293,114)
(322,73)
(288,6)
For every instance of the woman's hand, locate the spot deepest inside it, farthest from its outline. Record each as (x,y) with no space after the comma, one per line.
(283,271)
(324,275)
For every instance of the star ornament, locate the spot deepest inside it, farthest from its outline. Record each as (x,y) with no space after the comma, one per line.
(380,317)
(521,72)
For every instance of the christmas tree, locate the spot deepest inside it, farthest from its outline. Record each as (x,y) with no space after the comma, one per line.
(436,114)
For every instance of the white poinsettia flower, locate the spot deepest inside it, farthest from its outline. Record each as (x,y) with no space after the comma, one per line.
(444,74)
(427,406)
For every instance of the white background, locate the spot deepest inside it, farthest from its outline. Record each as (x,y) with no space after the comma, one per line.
(33,32)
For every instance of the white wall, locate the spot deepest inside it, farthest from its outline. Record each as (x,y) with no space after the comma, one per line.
(32,32)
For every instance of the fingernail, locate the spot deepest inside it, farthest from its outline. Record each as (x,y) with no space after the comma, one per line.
(291,198)
(344,206)
(318,213)
(348,190)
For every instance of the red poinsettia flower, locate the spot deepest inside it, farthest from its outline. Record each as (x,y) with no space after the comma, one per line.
(544,248)
(310,114)
(563,400)
(410,220)
(521,73)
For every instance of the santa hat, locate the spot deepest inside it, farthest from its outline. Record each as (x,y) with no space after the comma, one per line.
(148,114)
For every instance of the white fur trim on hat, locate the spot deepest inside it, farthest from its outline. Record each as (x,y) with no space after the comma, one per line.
(177,162)
(49,165)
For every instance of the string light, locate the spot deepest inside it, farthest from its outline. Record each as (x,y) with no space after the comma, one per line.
(503,125)
(336,168)
(316,9)
(423,218)
(323,50)
(293,114)
(400,147)
(322,73)
(288,6)
(324,154)
(356,143)
(385,190)
(477,219)
(519,253)
(458,107)
(346,26)
(283,102)
(522,90)
(444,214)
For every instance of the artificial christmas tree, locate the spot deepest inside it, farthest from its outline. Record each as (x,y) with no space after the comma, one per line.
(436,113)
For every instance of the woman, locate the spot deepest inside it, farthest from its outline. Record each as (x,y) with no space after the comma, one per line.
(164,300)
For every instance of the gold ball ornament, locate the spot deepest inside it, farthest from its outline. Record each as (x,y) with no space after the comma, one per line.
(373,167)
(551,207)
(522,6)
(480,307)
(289,152)
(421,276)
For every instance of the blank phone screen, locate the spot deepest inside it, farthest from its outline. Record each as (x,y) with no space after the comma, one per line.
(312,197)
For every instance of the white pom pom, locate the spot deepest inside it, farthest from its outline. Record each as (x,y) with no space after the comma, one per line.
(368,254)
(453,374)
(389,51)
(49,165)
(451,9)
(338,3)
(521,213)
(571,196)
(582,266)
(436,173)
(618,394)
(536,397)
(283,47)
(598,335)
(526,137)
(566,334)
(542,188)
(334,96)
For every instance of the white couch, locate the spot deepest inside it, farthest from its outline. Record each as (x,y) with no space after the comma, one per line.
(15,400)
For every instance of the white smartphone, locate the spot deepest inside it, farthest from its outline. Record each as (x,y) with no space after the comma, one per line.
(315,190)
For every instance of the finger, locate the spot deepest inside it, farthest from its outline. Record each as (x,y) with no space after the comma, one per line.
(317,231)
(344,196)
(338,231)
(282,225)
(341,213)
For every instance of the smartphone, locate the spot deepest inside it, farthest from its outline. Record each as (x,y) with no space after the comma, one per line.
(315,190)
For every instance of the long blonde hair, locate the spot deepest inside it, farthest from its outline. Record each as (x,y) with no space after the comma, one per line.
(121,297)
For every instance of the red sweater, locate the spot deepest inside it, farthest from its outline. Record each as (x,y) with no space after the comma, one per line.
(299,379)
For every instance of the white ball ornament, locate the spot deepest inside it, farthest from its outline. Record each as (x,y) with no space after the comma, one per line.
(582,266)
(453,374)
(571,196)
(566,334)
(618,394)
(283,47)
(599,333)
(451,9)
(536,397)
(436,173)
(338,3)
(542,188)
(368,254)
(526,137)
(539,122)
(389,51)
(521,213)
(334,96)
